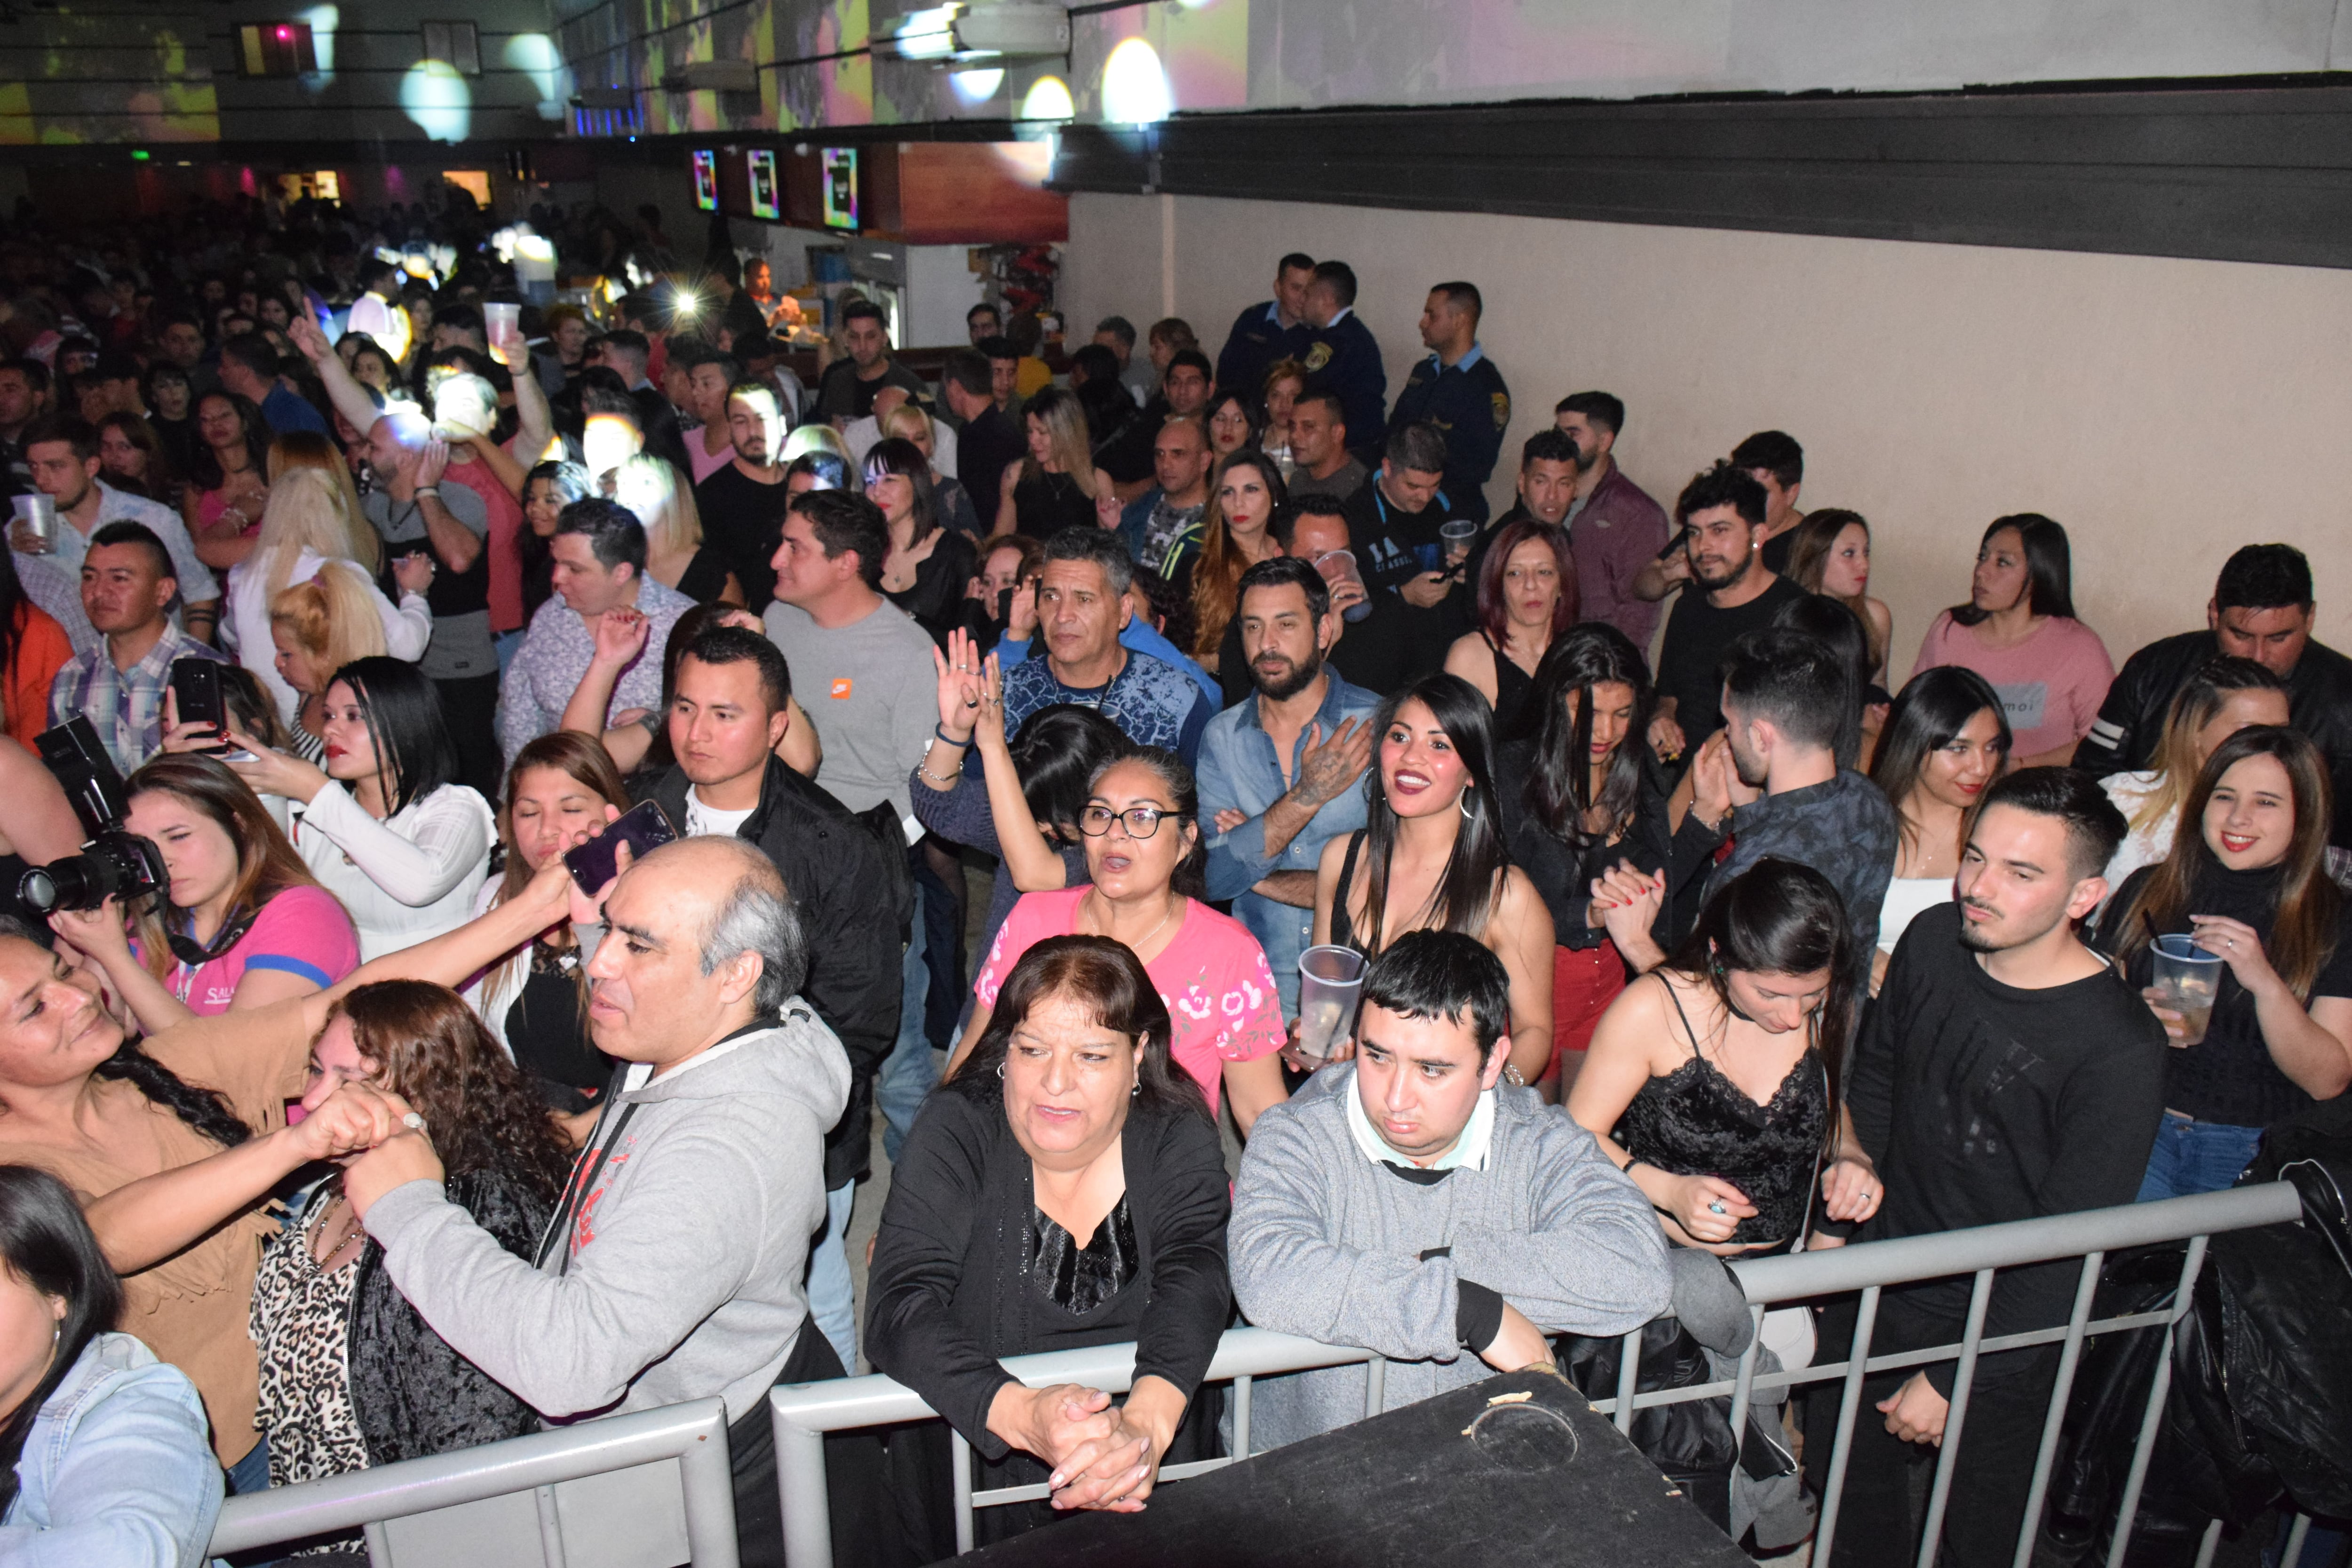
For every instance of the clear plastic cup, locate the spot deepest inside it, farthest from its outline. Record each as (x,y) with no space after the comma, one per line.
(502,323)
(1456,534)
(1329,979)
(2188,978)
(34,531)
(1338,566)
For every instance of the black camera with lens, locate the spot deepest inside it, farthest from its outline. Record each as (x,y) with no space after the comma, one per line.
(115,863)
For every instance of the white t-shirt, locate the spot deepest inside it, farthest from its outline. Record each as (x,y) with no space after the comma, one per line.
(709,822)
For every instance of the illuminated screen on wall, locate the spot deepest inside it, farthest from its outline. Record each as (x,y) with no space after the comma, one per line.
(840,187)
(706,180)
(765,201)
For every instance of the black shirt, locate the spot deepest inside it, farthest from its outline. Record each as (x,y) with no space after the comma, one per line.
(842,395)
(989,443)
(744,520)
(2228,1076)
(1690,661)
(1563,874)
(1982,1103)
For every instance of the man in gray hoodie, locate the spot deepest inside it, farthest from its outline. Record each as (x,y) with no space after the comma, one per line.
(1411,1202)
(672,1269)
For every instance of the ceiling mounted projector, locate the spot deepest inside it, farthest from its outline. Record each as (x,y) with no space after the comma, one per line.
(961,34)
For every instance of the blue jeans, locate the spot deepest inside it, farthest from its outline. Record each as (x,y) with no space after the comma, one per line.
(910,1071)
(831,1297)
(507,644)
(2192,1157)
(250,1474)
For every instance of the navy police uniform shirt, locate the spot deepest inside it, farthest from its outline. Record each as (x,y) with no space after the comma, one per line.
(1257,339)
(1468,401)
(1344,358)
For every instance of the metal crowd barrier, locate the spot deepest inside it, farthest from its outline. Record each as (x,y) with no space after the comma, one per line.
(647,1490)
(804,1414)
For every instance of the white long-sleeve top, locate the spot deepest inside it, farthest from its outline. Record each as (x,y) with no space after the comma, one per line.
(408,878)
(407,626)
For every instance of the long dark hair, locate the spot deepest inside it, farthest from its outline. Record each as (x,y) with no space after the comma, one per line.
(896,454)
(2049,567)
(414,752)
(1190,876)
(2303,931)
(1056,755)
(47,1243)
(205,469)
(1560,781)
(1929,713)
(1779,918)
(16,609)
(1110,981)
(1467,892)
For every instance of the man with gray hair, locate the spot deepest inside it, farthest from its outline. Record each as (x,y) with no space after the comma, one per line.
(672,1271)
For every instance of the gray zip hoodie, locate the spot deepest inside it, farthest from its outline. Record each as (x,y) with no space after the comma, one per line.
(680,1276)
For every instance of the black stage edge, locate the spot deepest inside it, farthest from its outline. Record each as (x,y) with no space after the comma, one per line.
(1454,1479)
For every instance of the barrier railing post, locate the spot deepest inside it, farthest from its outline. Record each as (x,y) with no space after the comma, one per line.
(801,1492)
(1747,1385)
(1865,1323)
(1956,1418)
(2210,1545)
(1629,1372)
(2160,1388)
(2293,1556)
(1376,1386)
(1241,1415)
(959,1466)
(2087,1289)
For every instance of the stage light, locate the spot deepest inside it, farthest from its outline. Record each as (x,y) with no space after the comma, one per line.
(1134,87)
(1048,99)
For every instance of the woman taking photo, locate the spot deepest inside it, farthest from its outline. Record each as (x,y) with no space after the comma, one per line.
(33,648)
(2221,697)
(1144,889)
(306,530)
(387,830)
(1944,742)
(2250,885)
(1430,856)
(950,503)
(1577,804)
(1056,485)
(1009,565)
(929,564)
(227,483)
(1712,1082)
(1526,596)
(535,1001)
(1830,554)
(2018,630)
(102,1450)
(240,924)
(676,556)
(546,491)
(131,458)
(1235,532)
(1065,1189)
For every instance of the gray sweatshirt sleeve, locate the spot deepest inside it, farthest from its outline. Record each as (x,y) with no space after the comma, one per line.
(677,1249)
(1595,1261)
(1290,1275)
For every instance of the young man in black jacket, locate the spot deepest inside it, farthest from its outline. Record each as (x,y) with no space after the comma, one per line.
(2006,1073)
(853,897)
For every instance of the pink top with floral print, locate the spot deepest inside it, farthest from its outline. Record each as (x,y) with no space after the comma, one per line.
(1213,976)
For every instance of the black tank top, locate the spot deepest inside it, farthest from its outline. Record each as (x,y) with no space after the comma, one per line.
(1043,504)
(1694,1121)
(1513,687)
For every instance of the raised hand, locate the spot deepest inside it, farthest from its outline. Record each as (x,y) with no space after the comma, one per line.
(988,727)
(621,634)
(1327,767)
(414,572)
(963,682)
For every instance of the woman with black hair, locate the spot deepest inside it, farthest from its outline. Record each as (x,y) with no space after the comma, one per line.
(171,405)
(1946,741)
(1578,802)
(102,1450)
(2018,630)
(1431,856)
(1064,1190)
(929,565)
(547,490)
(228,482)
(384,826)
(1144,889)
(1712,1082)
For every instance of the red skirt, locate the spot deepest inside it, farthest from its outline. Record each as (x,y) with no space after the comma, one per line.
(1584,981)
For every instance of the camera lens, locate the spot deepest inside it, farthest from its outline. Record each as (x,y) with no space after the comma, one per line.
(77,882)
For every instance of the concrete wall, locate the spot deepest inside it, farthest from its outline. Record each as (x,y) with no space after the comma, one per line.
(2166,411)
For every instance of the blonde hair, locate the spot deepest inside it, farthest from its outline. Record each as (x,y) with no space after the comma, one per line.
(909,413)
(333,617)
(305,512)
(308,449)
(1064,419)
(649,487)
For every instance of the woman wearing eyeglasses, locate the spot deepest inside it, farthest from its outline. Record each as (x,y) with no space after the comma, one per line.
(1145,857)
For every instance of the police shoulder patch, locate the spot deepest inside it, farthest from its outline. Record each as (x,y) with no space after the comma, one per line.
(1502,402)
(1318,357)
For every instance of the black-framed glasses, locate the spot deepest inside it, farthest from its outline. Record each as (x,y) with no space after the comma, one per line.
(1142,821)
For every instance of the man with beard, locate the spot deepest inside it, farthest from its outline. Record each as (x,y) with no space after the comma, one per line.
(2005,1073)
(1278,770)
(1770,782)
(1614,529)
(1721,513)
(743,502)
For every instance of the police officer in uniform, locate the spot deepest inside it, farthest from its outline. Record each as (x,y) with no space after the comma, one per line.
(1457,389)
(1343,359)
(1268,330)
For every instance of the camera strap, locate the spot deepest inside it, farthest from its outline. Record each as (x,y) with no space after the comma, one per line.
(192,954)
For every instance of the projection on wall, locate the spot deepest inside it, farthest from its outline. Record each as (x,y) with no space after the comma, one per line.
(767,201)
(706,180)
(840,165)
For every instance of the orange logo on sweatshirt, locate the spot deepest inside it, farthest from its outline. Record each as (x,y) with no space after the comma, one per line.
(840,688)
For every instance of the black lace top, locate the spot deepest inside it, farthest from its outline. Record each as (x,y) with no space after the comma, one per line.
(1080,1278)
(1694,1121)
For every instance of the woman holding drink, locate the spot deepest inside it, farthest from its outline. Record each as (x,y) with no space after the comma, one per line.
(2250,887)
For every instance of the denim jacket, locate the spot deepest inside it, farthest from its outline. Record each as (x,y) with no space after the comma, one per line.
(1238,770)
(118,1468)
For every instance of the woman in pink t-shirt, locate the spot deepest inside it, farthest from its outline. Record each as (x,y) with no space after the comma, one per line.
(1143,847)
(241,923)
(2018,630)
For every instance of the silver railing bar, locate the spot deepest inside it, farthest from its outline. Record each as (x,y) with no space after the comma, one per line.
(1629,1372)
(1956,1418)
(1040,1492)
(1865,1323)
(2160,1386)
(1747,1379)
(960,1467)
(2078,1328)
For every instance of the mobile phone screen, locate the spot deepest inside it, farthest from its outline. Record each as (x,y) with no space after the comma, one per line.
(644,828)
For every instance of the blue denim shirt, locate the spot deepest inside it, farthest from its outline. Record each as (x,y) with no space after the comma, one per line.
(1238,770)
(117,1469)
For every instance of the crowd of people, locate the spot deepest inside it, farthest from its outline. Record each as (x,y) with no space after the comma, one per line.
(379,1127)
